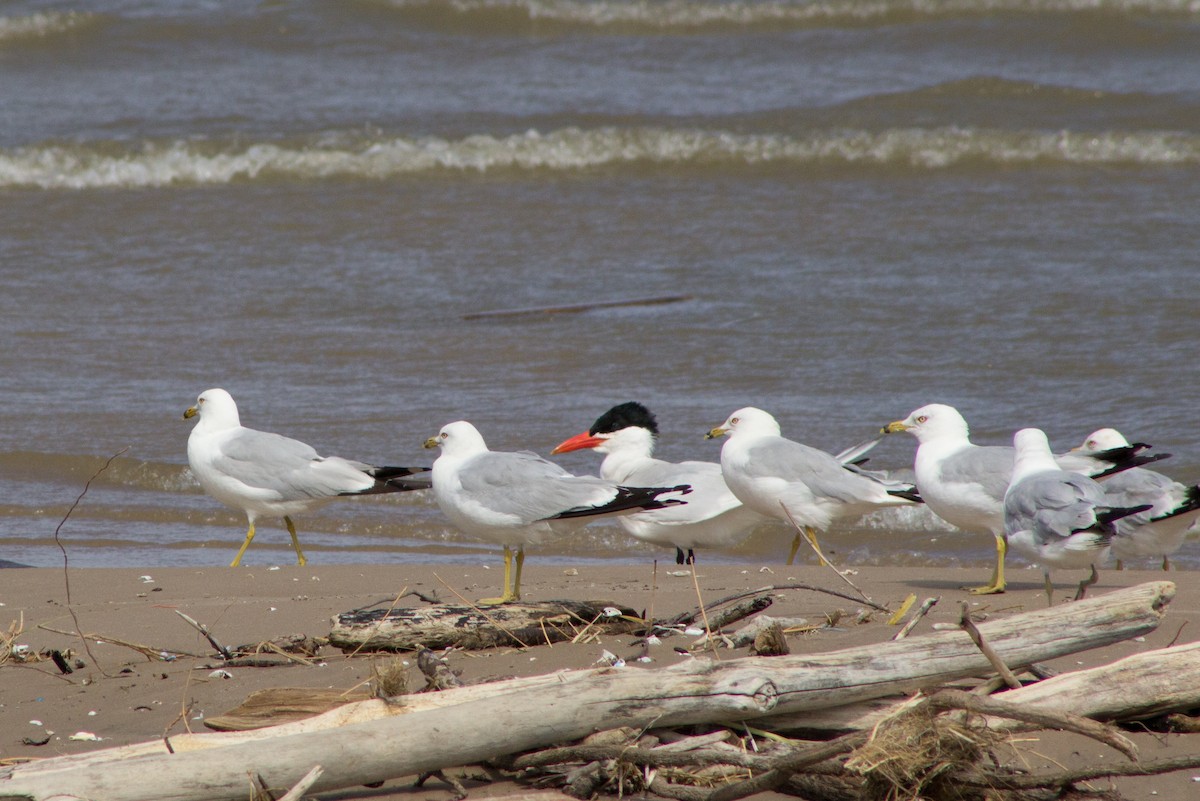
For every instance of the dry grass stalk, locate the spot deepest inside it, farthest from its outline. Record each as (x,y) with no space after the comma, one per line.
(390,680)
(917,754)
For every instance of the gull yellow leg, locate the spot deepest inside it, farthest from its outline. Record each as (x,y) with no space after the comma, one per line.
(291,527)
(1049,590)
(811,533)
(249,536)
(506,593)
(997,583)
(515,595)
(795,547)
(1121,564)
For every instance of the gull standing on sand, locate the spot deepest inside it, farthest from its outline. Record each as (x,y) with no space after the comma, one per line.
(1174,507)
(964,483)
(268,474)
(713,517)
(519,499)
(1055,517)
(789,481)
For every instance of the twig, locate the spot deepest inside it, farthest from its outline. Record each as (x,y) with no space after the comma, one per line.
(921,612)
(783,767)
(1063,721)
(485,615)
(149,651)
(823,558)
(969,627)
(708,628)
(688,617)
(200,627)
(61,547)
(575,308)
(387,612)
(1059,780)
(301,787)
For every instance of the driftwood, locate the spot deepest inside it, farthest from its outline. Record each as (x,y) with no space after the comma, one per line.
(697,691)
(521,625)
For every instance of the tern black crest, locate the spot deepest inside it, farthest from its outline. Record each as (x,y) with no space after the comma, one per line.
(624,415)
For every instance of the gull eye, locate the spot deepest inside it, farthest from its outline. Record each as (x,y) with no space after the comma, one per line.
(923,418)
(734,421)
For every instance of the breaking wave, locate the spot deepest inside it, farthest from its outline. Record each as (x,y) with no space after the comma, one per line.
(683,14)
(157,164)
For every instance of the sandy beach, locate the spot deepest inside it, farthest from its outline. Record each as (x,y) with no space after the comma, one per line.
(122,696)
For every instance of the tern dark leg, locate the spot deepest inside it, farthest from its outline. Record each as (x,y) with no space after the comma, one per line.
(1087,582)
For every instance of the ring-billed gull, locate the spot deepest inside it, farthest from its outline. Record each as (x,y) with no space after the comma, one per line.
(268,474)
(808,487)
(1174,507)
(518,499)
(964,483)
(712,518)
(1055,517)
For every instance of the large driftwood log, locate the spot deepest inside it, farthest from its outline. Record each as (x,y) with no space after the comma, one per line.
(698,691)
(443,625)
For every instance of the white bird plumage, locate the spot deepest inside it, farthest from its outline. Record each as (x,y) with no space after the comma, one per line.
(1055,517)
(789,481)
(1174,507)
(964,483)
(713,517)
(516,499)
(266,474)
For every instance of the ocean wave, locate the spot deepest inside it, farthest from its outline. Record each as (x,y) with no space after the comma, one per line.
(683,14)
(102,165)
(42,24)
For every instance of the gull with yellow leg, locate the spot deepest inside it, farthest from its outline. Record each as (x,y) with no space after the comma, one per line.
(517,498)
(790,481)
(266,474)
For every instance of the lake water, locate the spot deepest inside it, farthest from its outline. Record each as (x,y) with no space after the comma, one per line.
(868,204)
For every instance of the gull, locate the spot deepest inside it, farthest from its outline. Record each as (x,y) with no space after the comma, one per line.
(964,483)
(516,499)
(1174,507)
(268,474)
(808,487)
(713,517)
(1056,517)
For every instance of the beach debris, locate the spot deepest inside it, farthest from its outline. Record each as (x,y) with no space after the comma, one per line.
(200,627)
(220,674)
(85,736)
(577,308)
(438,673)
(458,625)
(676,741)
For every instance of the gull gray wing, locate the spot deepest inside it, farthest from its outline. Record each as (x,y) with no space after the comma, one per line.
(987,466)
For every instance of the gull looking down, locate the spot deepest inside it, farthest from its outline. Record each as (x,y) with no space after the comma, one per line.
(1055,517)
(789,481)
(516,499)
(713,517)
(964,483)
(268,474)
(1174,507)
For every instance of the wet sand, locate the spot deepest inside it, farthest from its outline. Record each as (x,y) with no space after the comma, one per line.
(124,697)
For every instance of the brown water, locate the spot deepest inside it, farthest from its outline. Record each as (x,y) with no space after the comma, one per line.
(871,205)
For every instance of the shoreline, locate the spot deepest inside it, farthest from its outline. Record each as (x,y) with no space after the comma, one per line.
(142,699)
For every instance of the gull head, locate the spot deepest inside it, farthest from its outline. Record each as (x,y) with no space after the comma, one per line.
(458,438)
(747,420)
(215,408)
(931,422)
(1104,439)
(1033,453)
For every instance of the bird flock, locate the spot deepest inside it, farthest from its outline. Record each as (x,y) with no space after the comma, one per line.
(1068,510)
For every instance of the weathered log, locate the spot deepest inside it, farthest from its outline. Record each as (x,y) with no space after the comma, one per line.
(697,691)
(444,625)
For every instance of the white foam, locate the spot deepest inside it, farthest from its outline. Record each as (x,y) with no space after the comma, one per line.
(61,166)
